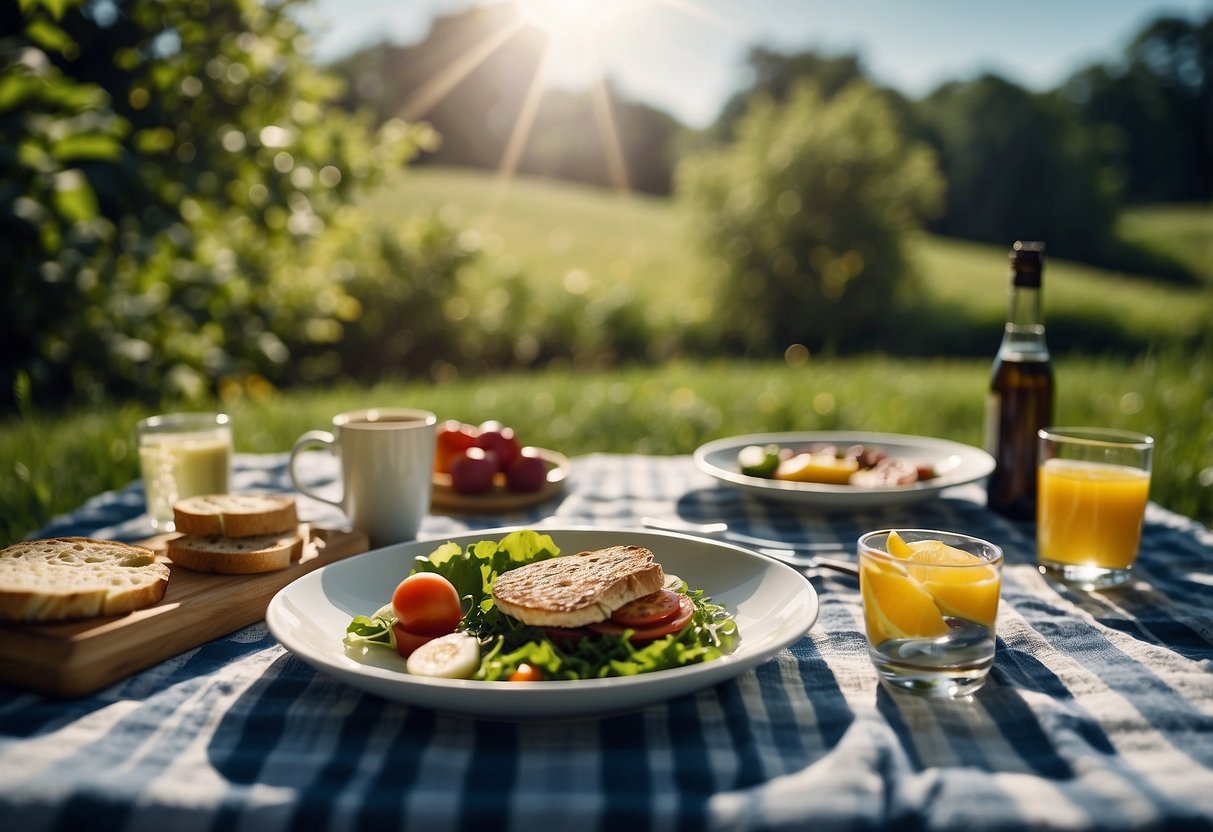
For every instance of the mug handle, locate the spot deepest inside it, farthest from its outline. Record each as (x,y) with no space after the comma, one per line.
(313,437)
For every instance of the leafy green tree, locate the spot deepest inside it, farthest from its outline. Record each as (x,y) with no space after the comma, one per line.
(175,197)
(805,212)
(1155,107)
(1019,166)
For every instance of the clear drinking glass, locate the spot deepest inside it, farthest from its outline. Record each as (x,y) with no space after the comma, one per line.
(183,455)
(930,601)
(1092,488)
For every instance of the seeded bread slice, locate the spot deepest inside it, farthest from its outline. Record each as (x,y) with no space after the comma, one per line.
(235,515)
(77,577)
(580,589)
(236,555)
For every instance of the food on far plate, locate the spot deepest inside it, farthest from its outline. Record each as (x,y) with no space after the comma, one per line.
(232,534)
(862,466)
(477,458)
(77,577)
(235,515)
(516,610)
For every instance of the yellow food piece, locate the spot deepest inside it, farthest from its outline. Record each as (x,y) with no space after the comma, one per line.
(823,468)
(896,605)
(962,584)
(897,547)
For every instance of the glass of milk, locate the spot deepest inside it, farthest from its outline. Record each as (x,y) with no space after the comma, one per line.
(183,455)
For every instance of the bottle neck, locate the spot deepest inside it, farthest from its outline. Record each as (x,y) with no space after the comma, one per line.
(1023,336)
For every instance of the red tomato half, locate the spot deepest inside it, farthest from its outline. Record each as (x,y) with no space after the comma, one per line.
(427,604)
(649,611)
(639,634)
(407,642)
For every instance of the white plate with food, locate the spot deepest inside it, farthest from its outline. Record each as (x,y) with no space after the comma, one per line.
(936,464)
(772,604)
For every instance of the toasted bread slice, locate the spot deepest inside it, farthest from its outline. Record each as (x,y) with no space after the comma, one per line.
(235,515)
(77,577)
(580,589)
(236,555)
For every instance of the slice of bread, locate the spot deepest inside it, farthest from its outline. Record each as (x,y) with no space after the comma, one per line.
(580,589)
(77,577)
(235,515)
(236,555)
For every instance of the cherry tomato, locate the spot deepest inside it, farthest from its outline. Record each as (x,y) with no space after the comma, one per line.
(427,604)
(641,634)
(648,611)
(451,440)
(526,673)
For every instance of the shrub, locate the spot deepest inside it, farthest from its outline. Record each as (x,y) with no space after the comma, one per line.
(804,213)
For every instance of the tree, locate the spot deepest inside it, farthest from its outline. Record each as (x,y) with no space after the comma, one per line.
(1155,108)
(805,212)
(1018,166)
(174,206)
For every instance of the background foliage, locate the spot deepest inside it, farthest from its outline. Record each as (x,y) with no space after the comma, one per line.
(804,211)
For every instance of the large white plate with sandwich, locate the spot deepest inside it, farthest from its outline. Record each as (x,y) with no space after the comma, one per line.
(772,603)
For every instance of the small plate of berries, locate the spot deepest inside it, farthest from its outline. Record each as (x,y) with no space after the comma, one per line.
(486,469)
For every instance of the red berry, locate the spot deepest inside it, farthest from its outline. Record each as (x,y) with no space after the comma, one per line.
(473,472)
(500,440)
(527,473)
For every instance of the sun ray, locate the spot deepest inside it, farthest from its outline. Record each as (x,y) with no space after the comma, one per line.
(611,145)
(437,87)
(693,9)
(523,123)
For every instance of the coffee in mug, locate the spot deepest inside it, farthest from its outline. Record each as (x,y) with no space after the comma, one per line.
(387,463)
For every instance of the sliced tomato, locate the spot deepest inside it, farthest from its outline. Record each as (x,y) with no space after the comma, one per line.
(640,634)
(407,641)
(648,611)
(566,635)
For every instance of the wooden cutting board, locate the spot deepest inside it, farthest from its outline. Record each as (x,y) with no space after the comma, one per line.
(75,658)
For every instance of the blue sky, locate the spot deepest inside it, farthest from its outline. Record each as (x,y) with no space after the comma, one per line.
(687,56)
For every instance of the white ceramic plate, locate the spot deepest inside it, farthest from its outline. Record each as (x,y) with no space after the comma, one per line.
(773,606)
(956,464)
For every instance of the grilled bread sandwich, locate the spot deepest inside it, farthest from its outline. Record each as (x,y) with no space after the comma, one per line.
(577,590)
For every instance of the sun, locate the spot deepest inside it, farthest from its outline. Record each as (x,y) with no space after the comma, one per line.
(569,22)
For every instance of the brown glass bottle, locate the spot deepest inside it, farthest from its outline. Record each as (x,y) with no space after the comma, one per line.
(1021,390)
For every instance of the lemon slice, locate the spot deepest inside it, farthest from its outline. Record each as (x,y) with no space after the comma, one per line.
(962,584)
(896,606)
(897,547)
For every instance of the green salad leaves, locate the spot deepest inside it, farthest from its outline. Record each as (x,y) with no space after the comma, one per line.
(507,643)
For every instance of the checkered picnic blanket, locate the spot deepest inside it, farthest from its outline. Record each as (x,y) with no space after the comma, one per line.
(1098,713)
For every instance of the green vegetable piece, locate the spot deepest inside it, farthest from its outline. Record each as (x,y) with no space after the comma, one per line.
(758,461)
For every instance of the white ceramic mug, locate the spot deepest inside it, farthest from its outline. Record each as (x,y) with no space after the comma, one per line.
(387,465)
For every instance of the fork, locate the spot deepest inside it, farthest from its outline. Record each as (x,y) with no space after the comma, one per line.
(795,554)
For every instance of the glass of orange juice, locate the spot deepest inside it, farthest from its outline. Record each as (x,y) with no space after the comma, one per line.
(930,600)
(1092,487)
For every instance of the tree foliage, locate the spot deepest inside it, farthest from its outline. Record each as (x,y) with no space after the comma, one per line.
(175,198)
(1019,166)
(804,211)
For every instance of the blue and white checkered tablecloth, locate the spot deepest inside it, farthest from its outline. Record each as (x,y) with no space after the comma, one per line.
(1098,714)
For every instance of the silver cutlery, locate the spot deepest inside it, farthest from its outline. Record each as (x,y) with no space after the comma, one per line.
(794,554)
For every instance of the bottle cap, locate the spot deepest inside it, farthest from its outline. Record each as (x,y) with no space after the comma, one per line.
(1027,262)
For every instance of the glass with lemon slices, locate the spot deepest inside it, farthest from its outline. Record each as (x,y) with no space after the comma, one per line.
(930,600)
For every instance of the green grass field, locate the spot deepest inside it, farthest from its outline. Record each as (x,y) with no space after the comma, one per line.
(567,239)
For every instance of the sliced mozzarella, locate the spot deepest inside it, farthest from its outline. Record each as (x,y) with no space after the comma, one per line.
(454,656)
(673,582)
